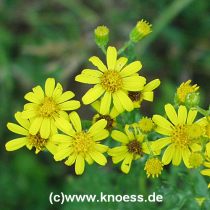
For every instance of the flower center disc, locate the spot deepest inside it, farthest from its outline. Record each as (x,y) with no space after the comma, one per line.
(134,96)
(135,147)
(48,107)
(111,81)
(109,120)
(180,136)
(38,142)
(83,142)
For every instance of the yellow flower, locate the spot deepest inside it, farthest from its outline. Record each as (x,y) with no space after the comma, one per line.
(206,172)
(112,82)
(101,36)
(205,125)
(196,159)
(184,89)
(109,117)
(142,29)
(46,108)
(180,145)
(132,147)
(145,94)
(81,145)
(153,167)
(28,139)
(146,125)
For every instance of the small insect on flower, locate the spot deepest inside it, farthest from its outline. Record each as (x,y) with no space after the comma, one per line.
(47,107)
(153,167)
(28,139)
(80,145)
(132,147)
(112,82)
(179,140)
(146,93)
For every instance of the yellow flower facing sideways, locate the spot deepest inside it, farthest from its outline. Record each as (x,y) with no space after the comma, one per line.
(112,82)
(47,107)
(28,139)
(109,117)
(146,93)
(132,147)
(180,139)
(80,145)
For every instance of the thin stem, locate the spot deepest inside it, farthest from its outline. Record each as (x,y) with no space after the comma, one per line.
(126,45)
(149,147)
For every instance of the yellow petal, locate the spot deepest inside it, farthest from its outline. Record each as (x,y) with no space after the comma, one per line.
(65,126)
(15,144)
(17,129)
(93,94)
(23,122)
(57,91)
(49,86)
(61,138)
(120,63)
(191,116)
(79,165)
(62,154)
(182,114)
(39,93)
(87,79)
(105,103)
(92,72)
(119,158)
(129,133)
(35,125)
(162,122)
(101,148)
(45,128)
(177,157)
(101,135)
(152,85)
(98,158)
(133,83)
(161,143)
(117,104)
(70,161)
(98,127)
(125,100)
(96,106)
(52,148)
(111,57)
(148,96)
(131,69)
(75,120)
(171,113)
(163,131)
(32,98)
(119,136)
(126,164)
(185,155)
(69,105)
(168,154)
(205,172)
(65,97)
(117,150)
(98,63)
(27,114)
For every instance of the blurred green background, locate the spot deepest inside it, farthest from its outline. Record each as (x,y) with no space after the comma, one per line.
(54,38)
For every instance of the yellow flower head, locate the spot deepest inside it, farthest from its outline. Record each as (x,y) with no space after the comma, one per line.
(112,82)
(153,167)
(179,143)
(146,125)
(206,171)
(184,89)
(47,107)
(101,36)
(80,145)
(145,94)
(28,139)
(196,159)
(109,117)
(142,29)
(132,147)
(204,124)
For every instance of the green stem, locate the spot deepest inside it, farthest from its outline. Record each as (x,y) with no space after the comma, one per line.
(149,147)
(103,49)
(126,45)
